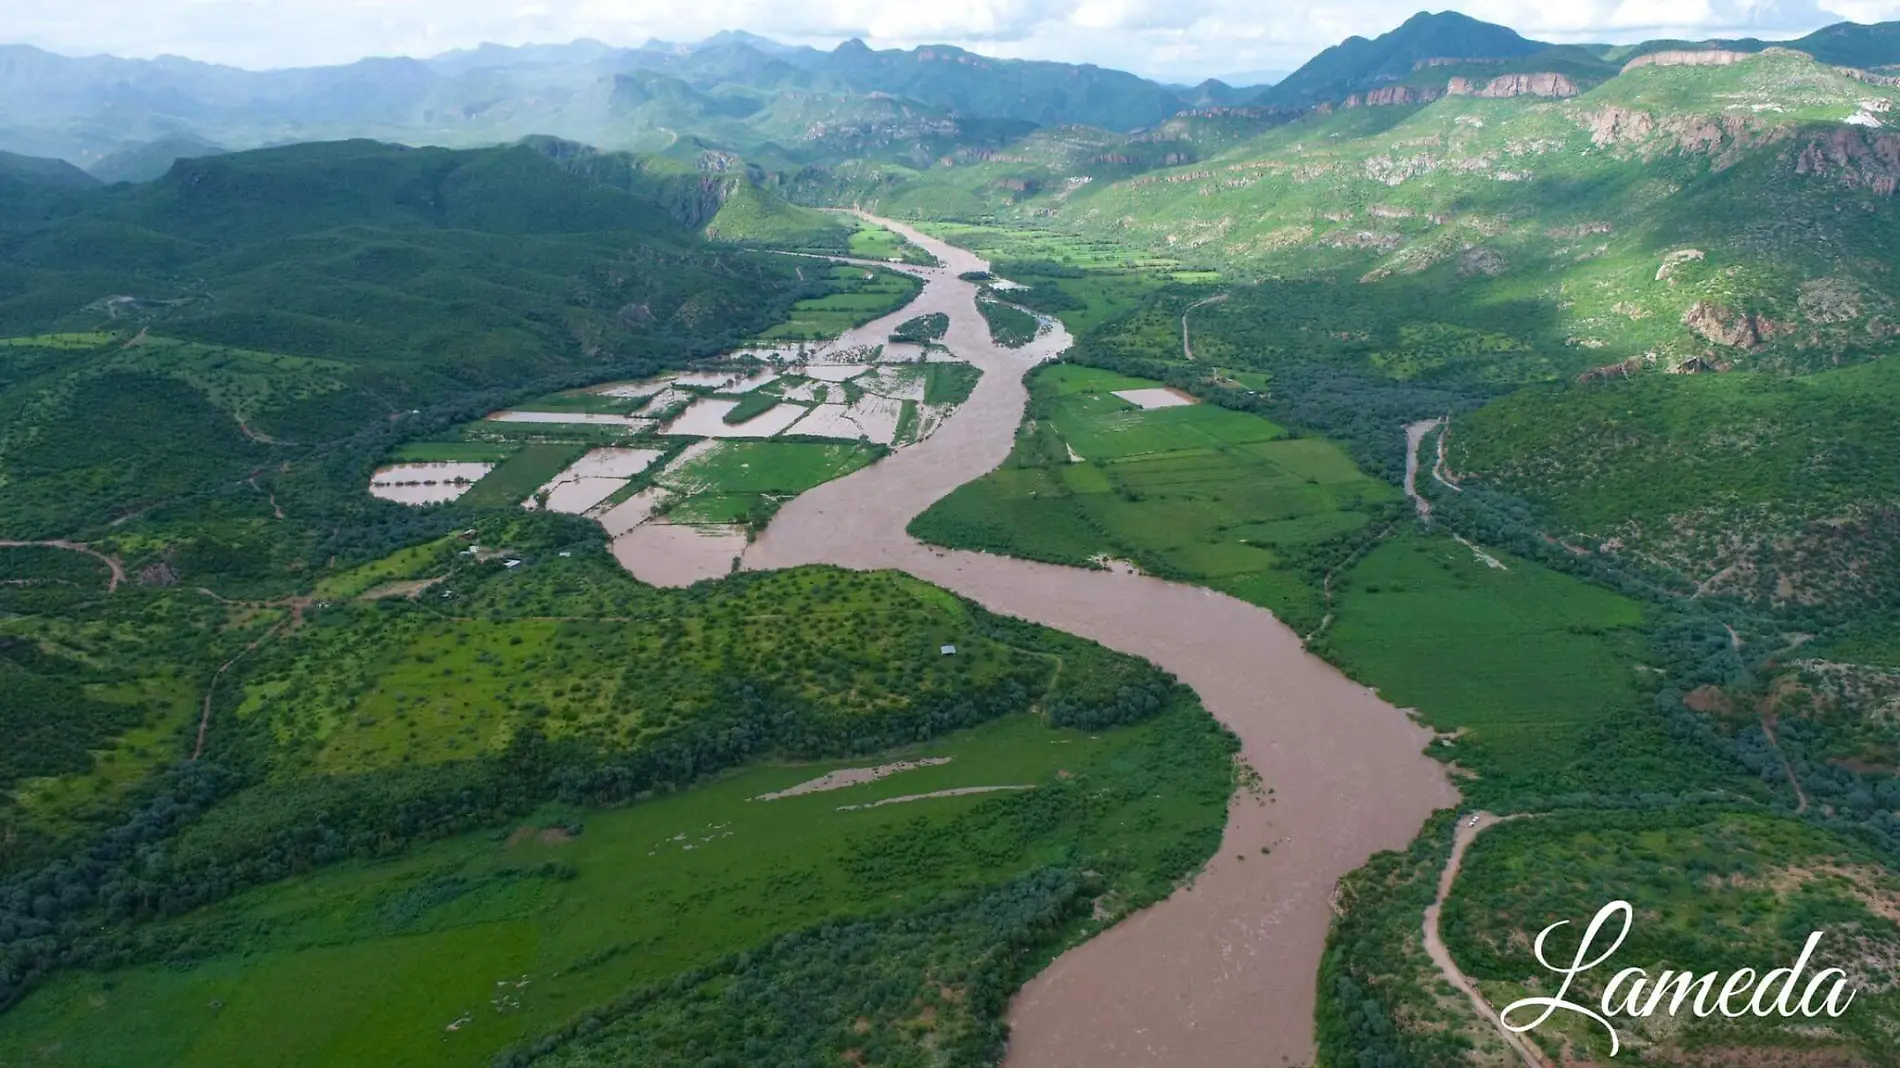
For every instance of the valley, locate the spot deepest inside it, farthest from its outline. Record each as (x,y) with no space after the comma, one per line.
(729,552)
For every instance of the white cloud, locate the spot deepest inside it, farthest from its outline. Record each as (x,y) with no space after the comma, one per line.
(1176,38)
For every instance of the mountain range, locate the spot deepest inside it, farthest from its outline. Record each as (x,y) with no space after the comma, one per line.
(123,119)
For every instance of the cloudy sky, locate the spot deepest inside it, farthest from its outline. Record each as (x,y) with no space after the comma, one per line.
(1184,39)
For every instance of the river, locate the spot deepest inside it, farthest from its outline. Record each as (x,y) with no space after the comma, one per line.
(1222,973)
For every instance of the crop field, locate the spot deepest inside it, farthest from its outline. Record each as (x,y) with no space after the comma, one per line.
(744,480)
(1084,281)
(1539,669)
(77,342)
(453,452)
(949,383)
(517,477)
(872,242)
(860,295)
(1196,492)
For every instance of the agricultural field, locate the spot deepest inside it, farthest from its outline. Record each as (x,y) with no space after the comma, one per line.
(858,295)
(1068,775)
(873,242)
(745,482)
(1195,492)
(1542,677)
(1082,281)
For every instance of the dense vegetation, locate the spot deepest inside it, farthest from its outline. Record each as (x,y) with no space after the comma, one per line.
(374,726)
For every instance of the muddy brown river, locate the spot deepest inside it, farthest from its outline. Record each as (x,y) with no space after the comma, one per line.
(1222,973)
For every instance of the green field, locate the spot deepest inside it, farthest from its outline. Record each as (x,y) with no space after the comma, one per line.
(1196,492)
(377,726)
(859,295)
(746,481)
(872,242)
(1538,669)
(515,931)
(949,383)
(517,477)
(452,451)
(1010,326)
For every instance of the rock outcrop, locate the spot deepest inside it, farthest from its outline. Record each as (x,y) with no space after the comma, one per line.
(1701,57)
(1389,95)
(1610,125)
(1858,158)
(1545,84)
(1724,326)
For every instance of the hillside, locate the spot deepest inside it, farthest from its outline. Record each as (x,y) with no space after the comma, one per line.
(1423,41)
(298,308)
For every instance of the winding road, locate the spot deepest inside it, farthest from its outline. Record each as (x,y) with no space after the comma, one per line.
(112,563)
(1468,831)
(1222,973)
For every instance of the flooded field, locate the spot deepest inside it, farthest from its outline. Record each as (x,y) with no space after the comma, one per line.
(1155,398)
(592,418)
(592,479)
(871,417)
(1220,975)
(706,418)
(426,483)
(675,554)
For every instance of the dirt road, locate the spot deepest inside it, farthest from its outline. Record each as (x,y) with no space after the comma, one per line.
(1435,945)
(112,562)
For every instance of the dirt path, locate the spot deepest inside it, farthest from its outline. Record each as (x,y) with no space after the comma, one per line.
(112,562)
(1435,945)
(1414,436)
(296,605)
(1219,975)
(1187,349)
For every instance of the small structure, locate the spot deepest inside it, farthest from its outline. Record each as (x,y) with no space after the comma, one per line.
(947,650)
(511,563)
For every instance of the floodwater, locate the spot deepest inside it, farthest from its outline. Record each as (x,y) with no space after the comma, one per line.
(1155,398)
(426,483)
(706,418)
(1221,974)
(592,418)
(676,554)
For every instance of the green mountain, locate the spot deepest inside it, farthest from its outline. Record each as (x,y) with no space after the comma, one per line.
(142,163)
(314,293)
(32,170)
(1424,40)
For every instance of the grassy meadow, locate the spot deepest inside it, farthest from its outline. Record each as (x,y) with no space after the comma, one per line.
(478,942)
(857,295)
(1196,492)
(553,897)
(746,481)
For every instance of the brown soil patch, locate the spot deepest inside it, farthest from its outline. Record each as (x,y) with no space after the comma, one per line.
(554,836)
(1708,698)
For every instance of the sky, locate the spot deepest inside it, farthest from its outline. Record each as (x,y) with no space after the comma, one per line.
(1183,40)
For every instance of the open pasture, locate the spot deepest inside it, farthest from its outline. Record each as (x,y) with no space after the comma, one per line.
(1195,491)
(469,945)
(860,294)
(1535,667)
